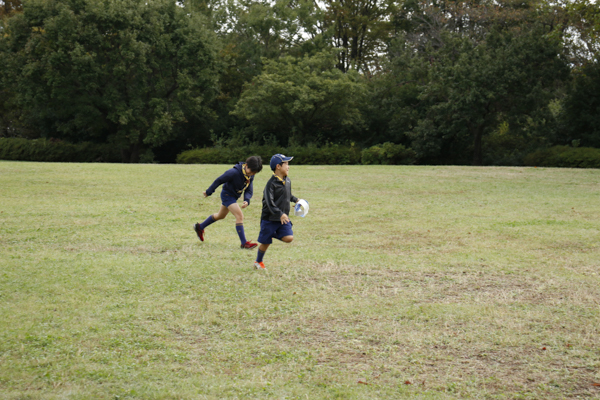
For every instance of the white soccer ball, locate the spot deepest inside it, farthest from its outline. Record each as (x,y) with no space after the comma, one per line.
(301,208)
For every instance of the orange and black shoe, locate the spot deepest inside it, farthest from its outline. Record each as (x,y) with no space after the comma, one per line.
(259,266)
(199,232)
(249,245)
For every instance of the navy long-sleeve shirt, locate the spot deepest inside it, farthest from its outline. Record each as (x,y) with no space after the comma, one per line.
(234,183)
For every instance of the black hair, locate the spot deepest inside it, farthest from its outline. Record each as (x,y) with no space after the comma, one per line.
(254,163)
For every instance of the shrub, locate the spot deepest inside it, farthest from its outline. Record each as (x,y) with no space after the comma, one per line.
(389,154)
(18,149)
(507,147)
(311,155)
(326,155)
(225,155)
(565,156)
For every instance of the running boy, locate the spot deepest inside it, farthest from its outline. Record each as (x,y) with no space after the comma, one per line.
(275,221)
(235,181)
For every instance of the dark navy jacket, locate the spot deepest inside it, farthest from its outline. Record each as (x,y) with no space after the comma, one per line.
(234,183)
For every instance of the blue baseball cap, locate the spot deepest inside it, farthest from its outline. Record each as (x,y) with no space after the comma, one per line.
(279,159)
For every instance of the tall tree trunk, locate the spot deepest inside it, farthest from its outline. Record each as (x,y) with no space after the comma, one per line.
(131,154)
(477,146)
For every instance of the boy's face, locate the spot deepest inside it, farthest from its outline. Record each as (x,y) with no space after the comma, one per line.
(284,168)
(248,171)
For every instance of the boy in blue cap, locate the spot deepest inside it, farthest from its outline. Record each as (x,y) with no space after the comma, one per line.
(275,221)
(235,181)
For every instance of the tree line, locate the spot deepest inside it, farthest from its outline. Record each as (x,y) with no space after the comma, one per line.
(458,81)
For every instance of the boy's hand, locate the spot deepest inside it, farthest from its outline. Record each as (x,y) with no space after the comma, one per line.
(284,219)
(204,193)
(245,204)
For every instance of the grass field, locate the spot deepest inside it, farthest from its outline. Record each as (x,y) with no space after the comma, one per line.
(402,282)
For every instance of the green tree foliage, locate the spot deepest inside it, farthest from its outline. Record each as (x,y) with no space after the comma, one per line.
(129,72)
(473,89)
(255,30)
(583,37)
(305,99)
(9,114)
(393,107)
(459,71)
(251,31)
(361,29)
(263,30)
(424,22)
(458,81)
(581,110)
(9,7)
(580,117)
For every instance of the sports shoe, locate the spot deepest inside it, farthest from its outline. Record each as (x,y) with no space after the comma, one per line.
(249,245)
(259,265)
(199,232)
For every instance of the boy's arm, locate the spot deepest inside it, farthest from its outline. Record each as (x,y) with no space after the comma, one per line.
(249,192)
(226,177)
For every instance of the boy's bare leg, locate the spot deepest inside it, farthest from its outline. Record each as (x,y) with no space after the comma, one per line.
(222,213)
(236,211)
(263,247)
(287,239)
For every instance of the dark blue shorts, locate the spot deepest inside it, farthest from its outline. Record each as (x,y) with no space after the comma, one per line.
(271,229)
(227,198)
